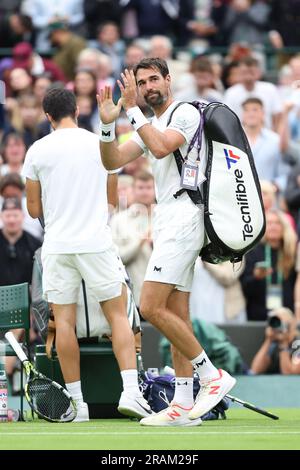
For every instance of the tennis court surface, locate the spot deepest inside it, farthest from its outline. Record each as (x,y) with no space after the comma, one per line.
(243,429)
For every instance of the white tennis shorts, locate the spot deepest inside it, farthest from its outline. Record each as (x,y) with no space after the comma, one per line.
(175,253)
(63,273)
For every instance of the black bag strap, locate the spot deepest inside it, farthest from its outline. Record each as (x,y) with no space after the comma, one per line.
(195,196)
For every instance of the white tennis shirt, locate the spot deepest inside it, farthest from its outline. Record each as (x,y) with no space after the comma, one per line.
(68,166)
(171,211)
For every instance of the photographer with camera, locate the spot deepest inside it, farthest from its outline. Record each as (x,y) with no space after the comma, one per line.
(280,351)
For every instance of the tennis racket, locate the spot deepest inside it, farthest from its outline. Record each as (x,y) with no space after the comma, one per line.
(46,398)
(251,407)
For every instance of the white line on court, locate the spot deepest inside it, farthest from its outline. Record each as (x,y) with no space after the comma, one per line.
(158,433)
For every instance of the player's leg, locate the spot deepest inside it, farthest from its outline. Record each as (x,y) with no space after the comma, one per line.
(176,414)
(214,384)
(131,401)
(61,282)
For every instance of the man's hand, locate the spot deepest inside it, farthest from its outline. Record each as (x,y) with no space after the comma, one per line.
(108,111)
(128,89)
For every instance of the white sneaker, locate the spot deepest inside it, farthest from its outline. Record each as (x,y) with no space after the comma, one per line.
(134,406)
(82,413)
(211,393)
(173,415)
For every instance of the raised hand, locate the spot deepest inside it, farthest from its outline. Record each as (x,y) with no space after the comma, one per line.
(108,110)
(128,89)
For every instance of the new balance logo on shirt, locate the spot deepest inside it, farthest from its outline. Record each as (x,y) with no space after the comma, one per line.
(157,269)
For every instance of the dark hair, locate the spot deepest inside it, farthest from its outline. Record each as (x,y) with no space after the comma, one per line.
(253,101)
(60,103)
(11,179)
(153,63)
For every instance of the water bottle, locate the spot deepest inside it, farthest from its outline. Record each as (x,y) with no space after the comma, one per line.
(3,397)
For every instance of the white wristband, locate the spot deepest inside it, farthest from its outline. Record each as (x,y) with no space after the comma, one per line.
(113,172)
(107,132)
(136,117)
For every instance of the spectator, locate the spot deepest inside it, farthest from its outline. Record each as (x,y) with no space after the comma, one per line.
(220,283)
(162,47)
(125,192)
(12,186)
(292,195)
(15,28)
(26,118)
(43,13)
(69,46)
(279,352)
(231,74)
(154,17)
(251,87)
(98,63)
(104,11)
(109,43)
(17,246)
(246,21)
(133,55)
(17,249)
(203,88)
(268,192)
(269,276)
(19,82)
(285,23)
(85,86)
(25,58)
(13,153)
(41,84)
(265,144)
(131,230)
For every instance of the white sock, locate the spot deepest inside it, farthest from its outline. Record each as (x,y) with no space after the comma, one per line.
(74,389)
(130,381)
(183,395)
(204,367)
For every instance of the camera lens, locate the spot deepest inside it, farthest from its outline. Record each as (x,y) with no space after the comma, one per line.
(274,322)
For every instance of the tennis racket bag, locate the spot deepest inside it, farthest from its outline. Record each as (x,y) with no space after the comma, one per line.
(233,210)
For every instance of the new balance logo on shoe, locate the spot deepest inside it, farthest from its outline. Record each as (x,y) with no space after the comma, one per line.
(201,363)
(106,134)
(214,390)
(133,121)
(157,269)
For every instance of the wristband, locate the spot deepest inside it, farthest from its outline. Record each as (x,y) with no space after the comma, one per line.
(107,132)
(136,117)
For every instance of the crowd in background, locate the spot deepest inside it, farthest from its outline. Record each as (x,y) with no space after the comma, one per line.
(83,45)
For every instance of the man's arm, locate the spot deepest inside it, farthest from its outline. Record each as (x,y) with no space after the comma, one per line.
(115,156)
(34,199)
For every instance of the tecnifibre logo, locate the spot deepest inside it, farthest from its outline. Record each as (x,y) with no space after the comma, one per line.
(230,158)
(2,92)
